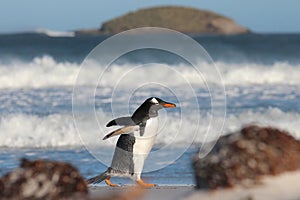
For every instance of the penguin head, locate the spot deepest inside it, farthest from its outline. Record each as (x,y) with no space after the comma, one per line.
(156,103)
(150,108)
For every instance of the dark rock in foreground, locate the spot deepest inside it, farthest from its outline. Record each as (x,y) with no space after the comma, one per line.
(42,179)
(244,157)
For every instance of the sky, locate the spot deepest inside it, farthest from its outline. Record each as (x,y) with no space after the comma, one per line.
(263,16)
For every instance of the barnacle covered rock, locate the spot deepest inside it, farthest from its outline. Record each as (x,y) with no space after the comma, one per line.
(244,157)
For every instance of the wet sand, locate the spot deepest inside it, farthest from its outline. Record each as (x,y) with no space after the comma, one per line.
(158,192)
(281,187)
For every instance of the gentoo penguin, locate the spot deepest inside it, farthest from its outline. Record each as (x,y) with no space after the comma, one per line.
(135,142)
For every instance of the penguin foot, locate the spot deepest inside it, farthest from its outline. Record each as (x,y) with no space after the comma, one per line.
(107,181)
(143,184)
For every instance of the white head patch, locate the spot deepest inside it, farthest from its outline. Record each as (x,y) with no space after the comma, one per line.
(153,100)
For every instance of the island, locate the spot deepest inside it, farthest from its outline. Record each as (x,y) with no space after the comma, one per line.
(183,19)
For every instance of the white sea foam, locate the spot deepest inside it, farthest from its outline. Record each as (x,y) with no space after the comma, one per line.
(46,72)
(52,33)
(41,72)
(244,74)
(21,130)
(32,131)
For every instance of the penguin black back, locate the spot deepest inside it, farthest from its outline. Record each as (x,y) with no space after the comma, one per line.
(126,142)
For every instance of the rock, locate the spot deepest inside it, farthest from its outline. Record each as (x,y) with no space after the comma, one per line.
(227,26)
(183,19)
(245,157)
(41,179)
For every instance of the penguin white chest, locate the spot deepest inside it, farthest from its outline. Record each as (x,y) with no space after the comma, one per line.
(143,144)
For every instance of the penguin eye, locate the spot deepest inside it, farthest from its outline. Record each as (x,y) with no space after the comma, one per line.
(153,100)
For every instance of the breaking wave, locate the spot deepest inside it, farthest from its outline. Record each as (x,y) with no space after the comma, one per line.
(59,130)
(46,72)
(52,33)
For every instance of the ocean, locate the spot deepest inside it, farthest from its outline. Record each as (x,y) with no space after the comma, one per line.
(260,84)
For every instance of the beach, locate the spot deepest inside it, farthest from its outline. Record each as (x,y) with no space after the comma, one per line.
(157,192)
(282,187)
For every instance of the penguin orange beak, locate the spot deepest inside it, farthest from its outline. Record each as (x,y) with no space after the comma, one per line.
(169,105)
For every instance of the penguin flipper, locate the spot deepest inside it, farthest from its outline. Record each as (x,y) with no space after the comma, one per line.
(121,121)
(98,179)
(123,130)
